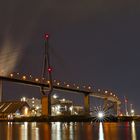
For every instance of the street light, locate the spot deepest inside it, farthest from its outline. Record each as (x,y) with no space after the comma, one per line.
(55,96)
(100,115)
(132,112)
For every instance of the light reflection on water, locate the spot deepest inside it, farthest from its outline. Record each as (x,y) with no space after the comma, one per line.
(9,131)
(101,132)
(69,131)
(133,131)
(35,131)
(24,131)
(111,131)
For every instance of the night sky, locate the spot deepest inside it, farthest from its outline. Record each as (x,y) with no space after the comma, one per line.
(92,42)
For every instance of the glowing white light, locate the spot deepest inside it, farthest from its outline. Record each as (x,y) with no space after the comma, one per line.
(71,108)
(106,91)
(11,75)
(77,87)
(55,96)
(23,99)
(75,113)
(63,100)
(58,83)
(36,79)
(58,112)
(89,87)
(132,111)
(37,107)
(58,107)
(100,115)
(68,85)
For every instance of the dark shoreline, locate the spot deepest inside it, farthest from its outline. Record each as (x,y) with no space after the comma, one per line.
(72,119)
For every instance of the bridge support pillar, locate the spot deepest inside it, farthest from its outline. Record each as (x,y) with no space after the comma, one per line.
(46,105)
(86,104)
(1,90)
(116,108)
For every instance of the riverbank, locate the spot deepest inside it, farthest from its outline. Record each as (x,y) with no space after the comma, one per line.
(128,118)
(74,118)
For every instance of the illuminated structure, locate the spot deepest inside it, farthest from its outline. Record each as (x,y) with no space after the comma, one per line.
(126,106)
(132,111)
(77,110)
(58,107)
(107,96)
(34,105)
(61,107)
(11,109)
(46,92)
(46,86)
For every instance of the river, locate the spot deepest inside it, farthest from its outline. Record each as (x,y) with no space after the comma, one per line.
(69,131)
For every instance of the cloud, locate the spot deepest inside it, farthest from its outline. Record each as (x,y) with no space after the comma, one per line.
(9,57)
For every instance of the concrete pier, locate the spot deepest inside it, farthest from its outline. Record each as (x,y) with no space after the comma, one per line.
(86,104)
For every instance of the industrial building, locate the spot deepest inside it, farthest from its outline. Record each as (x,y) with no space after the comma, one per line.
(32,107)
(11,109)
(58,106)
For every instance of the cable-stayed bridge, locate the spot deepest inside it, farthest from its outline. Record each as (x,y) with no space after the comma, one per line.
(29,80)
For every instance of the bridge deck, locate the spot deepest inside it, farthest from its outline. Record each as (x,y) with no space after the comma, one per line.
(101,94)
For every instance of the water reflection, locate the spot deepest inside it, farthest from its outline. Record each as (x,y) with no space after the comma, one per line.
(9,131)
(72,131)
(56,131)
(35,131)
(69,131)
(62,131)
(45,131)
(127,131)
(133,131)
(101,131)
(24,131)
(29,131)
(111,131)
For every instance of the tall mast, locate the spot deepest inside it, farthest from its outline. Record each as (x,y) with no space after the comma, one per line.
(47,72)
